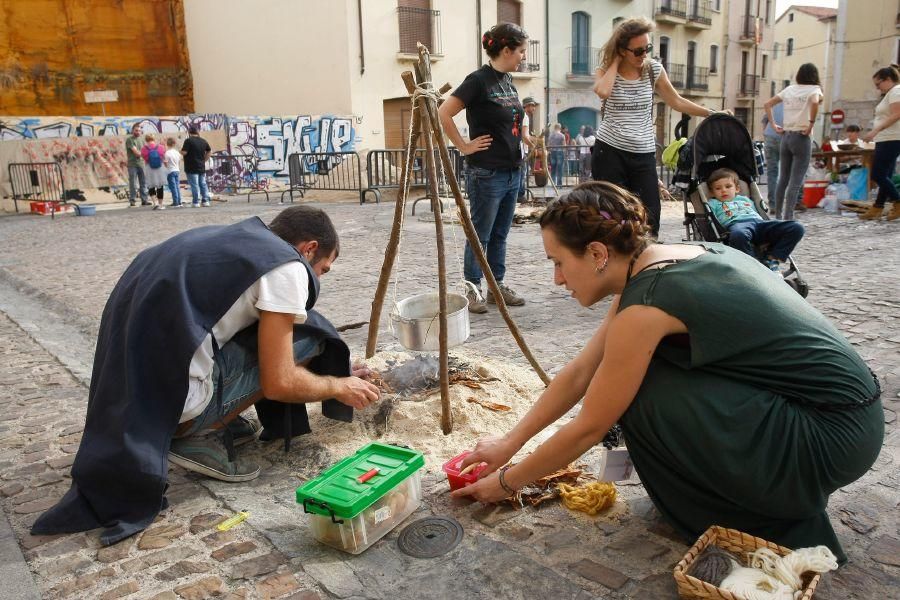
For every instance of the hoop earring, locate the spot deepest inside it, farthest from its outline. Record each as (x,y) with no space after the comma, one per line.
(601,268)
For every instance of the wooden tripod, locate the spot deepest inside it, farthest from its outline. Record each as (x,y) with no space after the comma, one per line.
(426,124)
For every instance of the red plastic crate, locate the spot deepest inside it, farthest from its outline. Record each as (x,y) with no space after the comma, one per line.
(452,469)
(45,208)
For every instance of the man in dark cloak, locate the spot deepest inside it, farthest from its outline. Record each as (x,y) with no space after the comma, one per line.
(199,328)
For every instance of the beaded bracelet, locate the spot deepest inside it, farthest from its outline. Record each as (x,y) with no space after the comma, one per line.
(503,484)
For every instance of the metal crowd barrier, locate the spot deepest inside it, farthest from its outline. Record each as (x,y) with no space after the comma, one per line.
(40,182)
(383,169)
(235,173)
(328,171)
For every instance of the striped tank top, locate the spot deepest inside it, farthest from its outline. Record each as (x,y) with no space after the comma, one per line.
(627,119)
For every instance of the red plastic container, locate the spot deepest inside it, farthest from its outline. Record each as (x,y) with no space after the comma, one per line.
(46,207)
(813,193)
(452,469)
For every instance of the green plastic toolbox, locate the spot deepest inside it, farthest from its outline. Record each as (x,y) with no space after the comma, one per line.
(360,499)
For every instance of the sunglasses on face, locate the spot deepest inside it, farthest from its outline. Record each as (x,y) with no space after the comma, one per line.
(639,52)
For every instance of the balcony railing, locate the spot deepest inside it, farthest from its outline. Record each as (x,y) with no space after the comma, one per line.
(675,8)
(532,64)
(583,61)
(419,25)
(698,78)
(749,29)
(676,74)
(749,85)
(700,12)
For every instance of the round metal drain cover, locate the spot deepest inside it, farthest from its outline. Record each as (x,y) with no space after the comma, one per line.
(430,537)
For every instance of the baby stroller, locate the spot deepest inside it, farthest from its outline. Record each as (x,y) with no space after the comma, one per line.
(722,141)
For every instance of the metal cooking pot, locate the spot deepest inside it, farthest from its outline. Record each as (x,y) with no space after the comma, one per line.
(416,324)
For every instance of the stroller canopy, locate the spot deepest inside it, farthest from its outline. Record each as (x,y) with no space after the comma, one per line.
(724,137)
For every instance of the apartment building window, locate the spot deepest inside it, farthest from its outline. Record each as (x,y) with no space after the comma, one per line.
(772,88)
(790,47)
(790,17)
(418,23)
(509,11)
(713,59)
(581,43)
(765,66)
(664,52)
(717,5)
(775,48)
(768,10)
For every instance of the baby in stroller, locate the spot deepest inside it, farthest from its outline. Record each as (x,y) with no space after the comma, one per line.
(747,230)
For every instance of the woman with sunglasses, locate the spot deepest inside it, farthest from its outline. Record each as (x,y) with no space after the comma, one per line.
(625,152)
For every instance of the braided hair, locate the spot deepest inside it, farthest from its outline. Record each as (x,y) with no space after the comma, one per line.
(502,35)
(598,211)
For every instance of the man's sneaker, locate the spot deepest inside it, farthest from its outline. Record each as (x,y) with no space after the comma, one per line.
(205,203)
(509,296)
(195,205)
(476,301)
(206,454)
(244,430)
(162,207)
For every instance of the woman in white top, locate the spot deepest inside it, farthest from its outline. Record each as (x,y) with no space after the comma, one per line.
(886,135)
(625,151)
(801,105)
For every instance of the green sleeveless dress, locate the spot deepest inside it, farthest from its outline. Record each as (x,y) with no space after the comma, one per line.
(757,415)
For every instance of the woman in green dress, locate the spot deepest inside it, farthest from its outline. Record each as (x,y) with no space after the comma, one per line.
(742,405)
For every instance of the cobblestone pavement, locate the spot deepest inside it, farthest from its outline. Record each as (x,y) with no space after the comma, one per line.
(55,276)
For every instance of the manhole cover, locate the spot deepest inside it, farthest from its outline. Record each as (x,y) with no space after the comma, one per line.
(430,537)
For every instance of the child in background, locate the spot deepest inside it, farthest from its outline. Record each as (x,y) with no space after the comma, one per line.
(173,171)
(745,226)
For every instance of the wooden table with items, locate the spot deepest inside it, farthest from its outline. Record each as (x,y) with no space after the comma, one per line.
(836,158)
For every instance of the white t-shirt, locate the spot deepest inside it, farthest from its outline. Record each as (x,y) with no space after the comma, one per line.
(883,111)
(171,160)
(526,122)
(797,101)
(284,289)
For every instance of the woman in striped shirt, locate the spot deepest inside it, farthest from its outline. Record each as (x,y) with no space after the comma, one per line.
(625,152)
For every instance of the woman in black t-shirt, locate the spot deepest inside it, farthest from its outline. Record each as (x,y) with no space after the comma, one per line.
(493,156)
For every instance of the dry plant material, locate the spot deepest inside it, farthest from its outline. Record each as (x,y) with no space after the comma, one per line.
(489,405)
(546,488)
(378,381)
(590,498)
(471,384)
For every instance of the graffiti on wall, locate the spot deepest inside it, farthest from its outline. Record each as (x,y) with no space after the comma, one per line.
(30,128)
(91,150)
(272,139)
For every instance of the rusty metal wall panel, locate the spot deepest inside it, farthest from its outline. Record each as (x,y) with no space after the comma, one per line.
(52,51)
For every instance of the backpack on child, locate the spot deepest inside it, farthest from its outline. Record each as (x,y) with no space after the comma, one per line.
(154,159)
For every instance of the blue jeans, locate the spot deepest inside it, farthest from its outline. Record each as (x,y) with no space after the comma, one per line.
(199,190)
(492,198)
(781,236)
(137,172)
(239,365)
(883,162)
(172,179)
(796,150)
(557,160)
(773,159)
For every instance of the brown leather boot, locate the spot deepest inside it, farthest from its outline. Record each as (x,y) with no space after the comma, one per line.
(872,214)
(895,211)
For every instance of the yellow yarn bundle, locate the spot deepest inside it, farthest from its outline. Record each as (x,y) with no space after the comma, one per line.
(590,498)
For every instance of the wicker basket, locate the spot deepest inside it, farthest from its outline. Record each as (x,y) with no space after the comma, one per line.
(734,541)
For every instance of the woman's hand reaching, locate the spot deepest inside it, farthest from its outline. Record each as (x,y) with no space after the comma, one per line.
(496,452)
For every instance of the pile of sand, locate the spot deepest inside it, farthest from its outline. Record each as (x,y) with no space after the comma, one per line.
(413,419)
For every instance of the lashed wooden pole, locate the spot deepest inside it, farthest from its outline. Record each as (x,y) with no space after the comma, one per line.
(432,180)
(390,253)
(465,218)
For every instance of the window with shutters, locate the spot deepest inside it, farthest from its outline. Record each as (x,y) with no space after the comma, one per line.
(418,23)
(509,11)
